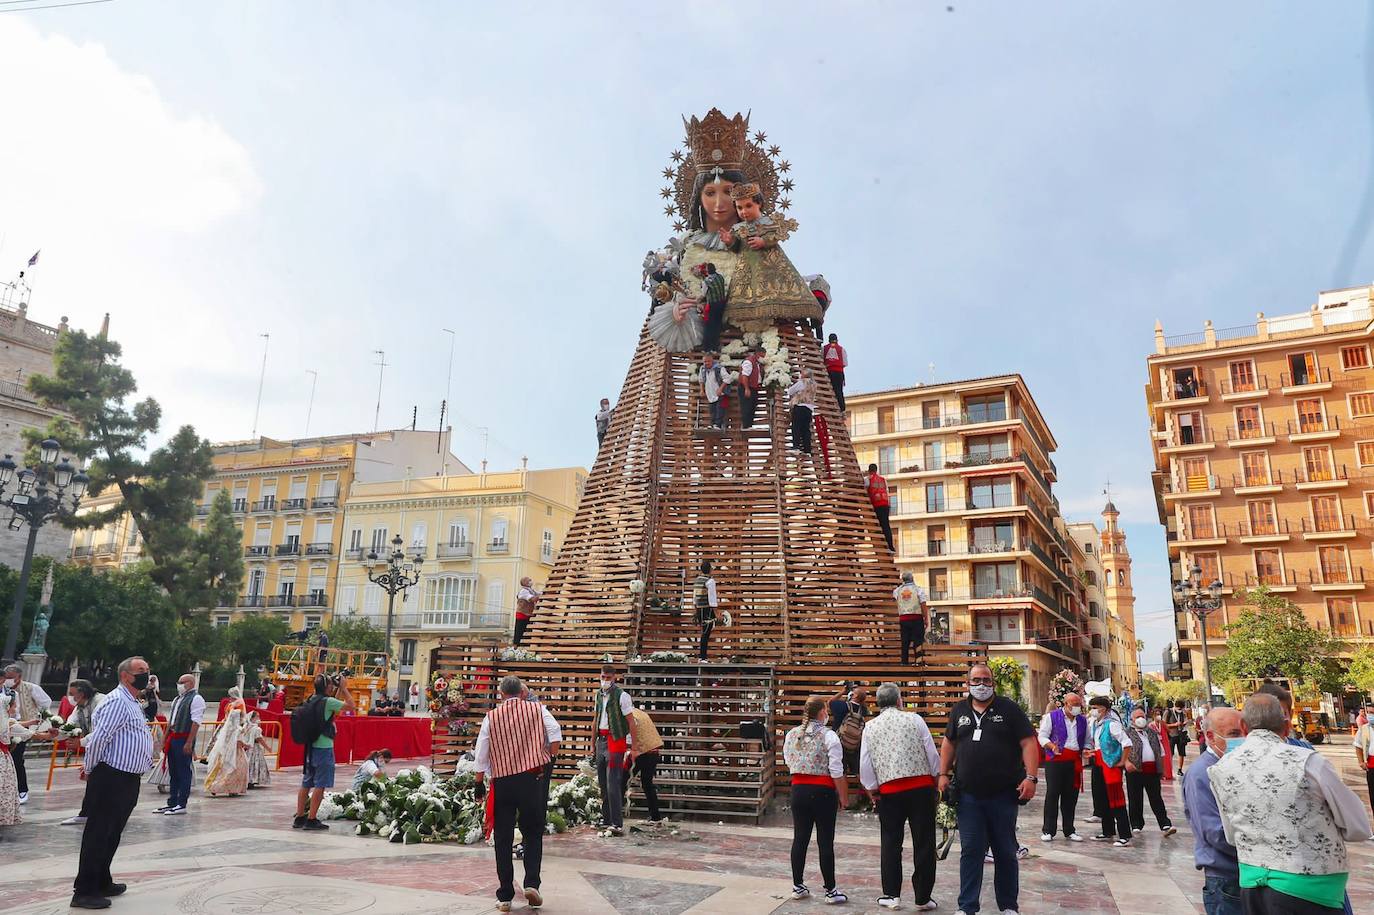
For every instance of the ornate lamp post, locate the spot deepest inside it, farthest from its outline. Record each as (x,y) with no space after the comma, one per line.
(1201,602)
(394,573)
(52,489)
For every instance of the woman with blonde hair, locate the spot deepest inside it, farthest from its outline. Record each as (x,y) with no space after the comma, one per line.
(814,758)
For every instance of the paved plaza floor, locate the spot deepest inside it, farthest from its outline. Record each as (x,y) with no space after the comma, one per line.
(240,856)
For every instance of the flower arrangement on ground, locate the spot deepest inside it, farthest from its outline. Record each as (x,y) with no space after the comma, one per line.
(418,806)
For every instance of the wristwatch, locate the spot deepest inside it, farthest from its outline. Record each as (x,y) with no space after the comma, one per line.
(1032,779)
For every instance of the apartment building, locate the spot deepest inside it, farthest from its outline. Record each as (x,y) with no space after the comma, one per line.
(1263,441)
(1086,535)
(477,535)
(975,517)
(288,497)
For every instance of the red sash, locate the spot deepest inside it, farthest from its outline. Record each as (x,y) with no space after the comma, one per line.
(1112,777)
(906,784)
(1149,768)
(823,781)
(613,745)
(1075,757)
(167,744)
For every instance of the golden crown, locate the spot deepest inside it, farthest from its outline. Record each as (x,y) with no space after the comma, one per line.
(744,191)
(717,141)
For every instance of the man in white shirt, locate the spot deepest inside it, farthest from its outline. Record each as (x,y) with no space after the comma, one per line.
(188,711)
(802,396)
(715,378)
(614,748)
(1364,749)
(911,614)
(526,601)
(750,383)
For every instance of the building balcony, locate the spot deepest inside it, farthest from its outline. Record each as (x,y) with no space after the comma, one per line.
(1199,486)
(281,600)
(239,506)
(202,510)
(294,505)
(1314,430)
(1337,580)
(1257,484)
(1245,390)
(264,506)
(1342,527)
(324,503)
(1186,439)
(1251,436)
(319,549)
(257,551)
(104,549)
(1209,535)
(356,554)
(455,550)
(252,600)
(80,552)
(1275,531)
(316,599)
(1283,583)
(290,548)
(498,547)
(1305,382)
(1186,392)
(1322,477)
(447,620)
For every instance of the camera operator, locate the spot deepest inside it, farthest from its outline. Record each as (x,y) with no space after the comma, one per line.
(331,695)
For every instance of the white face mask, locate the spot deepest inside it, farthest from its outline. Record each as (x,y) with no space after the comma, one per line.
(1139,723)
(181,689)
(1095,713)
(980,692)
(11,683)
(1075,710)
(605,684)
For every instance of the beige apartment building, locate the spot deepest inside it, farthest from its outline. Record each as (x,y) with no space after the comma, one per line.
(976,520)
(476,534)
(1088,538)
(1263,439)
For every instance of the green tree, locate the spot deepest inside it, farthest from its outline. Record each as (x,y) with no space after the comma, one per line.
(1360,674)
(160,491)
(249,640)
(1272,638)
(110,615)
(1187,690)
(356,633)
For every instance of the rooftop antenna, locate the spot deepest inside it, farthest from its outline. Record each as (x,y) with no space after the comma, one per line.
(381,369)
(262,375)
(448,387)
(310,408)
(931,367)
(439,440)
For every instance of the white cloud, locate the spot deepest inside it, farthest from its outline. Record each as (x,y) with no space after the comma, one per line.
(93,150)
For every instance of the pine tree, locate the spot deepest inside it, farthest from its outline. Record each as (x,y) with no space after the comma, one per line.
(160,491)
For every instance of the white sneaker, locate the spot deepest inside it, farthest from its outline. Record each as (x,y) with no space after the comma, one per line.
(1137,831)
(23,797)
(1046,837)
(174,811)
(1074,837)
(1168,831)
(800,892)
(1094,819)
(835,897)
(930,906)
(72,821)
(888,902)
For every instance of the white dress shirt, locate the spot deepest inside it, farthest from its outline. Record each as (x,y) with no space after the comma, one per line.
(1070,724)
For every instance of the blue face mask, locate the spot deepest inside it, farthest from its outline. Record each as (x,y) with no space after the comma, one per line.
(1233,743)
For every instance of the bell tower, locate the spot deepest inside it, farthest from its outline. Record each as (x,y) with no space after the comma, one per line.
(1119,591)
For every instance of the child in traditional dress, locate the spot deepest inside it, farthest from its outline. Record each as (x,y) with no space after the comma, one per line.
(259,776)
(765,287)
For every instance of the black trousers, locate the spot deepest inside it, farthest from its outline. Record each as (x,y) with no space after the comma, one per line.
(20,776)
(647,767)
(1369,783)
(815,807)
(1138,783)
(1099,790)
(1263,900)
(884,513)
(748,406)
(705,639)
(111,796)
(837,382)
(519,799)
(913,633)
(801,428)
(1061,797)
(710,333)
(914,809)
(520,627)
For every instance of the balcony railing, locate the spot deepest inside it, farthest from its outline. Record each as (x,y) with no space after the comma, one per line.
(1203,532)
(355,553)
(265,505)
(1250,433)
(1319,424)
(1236,581)
(1256,385)
(324,502)
(1332,524)
(314,599)
(281,600)
(239,506)
(1292,380)
(985,592)
(252,600)
(455,550)
(294,505)
(1239,480)
(1274,528)
(498,546)
(1197,483)
(1321,474)
(1182,436)
(105,549)
(1336,576)
(202,510)
(80,552)
(258,550)
(1186,388)
(292,548)
(319,549)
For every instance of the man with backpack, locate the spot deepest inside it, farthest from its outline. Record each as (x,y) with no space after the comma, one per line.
(847,714)
(715,384)
(312,726)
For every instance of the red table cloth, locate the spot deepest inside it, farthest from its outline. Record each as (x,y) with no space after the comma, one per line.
(355,737)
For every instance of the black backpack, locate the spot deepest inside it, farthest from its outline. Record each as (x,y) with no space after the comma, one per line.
(307,722)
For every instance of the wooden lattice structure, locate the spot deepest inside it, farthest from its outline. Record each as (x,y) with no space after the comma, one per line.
(801,562)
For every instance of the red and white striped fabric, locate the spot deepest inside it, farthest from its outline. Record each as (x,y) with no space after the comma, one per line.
(518,742)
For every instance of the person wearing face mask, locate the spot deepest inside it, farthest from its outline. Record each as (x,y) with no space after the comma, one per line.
(1111,747)
(29,705)
(990,754)
(84,701)
(813,756)
(1064,735)
(188,711)
(1289,816)
(1212,854)
(1147,765)
(614,747)
(119,751)
(9,790)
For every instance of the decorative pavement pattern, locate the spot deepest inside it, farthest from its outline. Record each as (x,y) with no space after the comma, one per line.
(239,856)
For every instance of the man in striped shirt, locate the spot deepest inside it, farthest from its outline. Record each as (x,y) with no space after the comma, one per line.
(516,741)
(118,752)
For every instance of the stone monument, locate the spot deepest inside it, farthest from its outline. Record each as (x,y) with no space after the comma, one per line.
(35,656)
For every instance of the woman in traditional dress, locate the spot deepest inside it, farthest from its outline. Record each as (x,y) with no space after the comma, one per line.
(228,759)
(9,783)
(259,776)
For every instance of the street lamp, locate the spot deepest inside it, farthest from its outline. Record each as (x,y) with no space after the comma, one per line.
(394,574)
(1201,602)
(38,495)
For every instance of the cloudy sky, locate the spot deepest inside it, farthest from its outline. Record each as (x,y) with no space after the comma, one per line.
(989,189)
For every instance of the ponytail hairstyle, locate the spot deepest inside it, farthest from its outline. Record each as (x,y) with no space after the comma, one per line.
(383,754)
(809,712)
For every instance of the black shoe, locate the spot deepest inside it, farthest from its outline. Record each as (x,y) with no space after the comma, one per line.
(89,902)
(114,889)
(298,822)
(313,825)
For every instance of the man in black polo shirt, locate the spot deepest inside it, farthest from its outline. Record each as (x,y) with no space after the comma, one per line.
(990,750)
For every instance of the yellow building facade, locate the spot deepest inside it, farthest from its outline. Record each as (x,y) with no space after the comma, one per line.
(975,518)
(476,535)
(1263,442)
